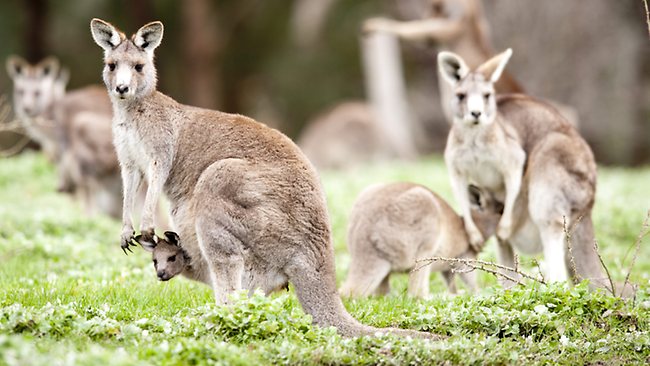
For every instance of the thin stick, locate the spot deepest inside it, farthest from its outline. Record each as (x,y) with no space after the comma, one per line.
(496,274)
(644,231)
(474,263)
(576,276)
(602,263)
(539,268)
(516,262)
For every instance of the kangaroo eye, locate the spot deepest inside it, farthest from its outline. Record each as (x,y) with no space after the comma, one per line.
(172,258)
(487,95)
(155,262)
(138,67)
(461,96)
(111,66)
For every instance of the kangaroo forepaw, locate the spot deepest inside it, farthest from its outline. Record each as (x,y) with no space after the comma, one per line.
(146,236)
(504,231)
(127,241)
(476,241)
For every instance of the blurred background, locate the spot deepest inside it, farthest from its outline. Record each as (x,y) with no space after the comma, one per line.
(284,62)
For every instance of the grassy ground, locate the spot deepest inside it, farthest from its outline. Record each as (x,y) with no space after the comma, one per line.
(68,296)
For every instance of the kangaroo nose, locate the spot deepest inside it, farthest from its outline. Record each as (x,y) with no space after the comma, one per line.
(476,114)
(122,89)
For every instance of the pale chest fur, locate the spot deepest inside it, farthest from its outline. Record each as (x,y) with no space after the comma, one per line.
(484,159)
(128,143)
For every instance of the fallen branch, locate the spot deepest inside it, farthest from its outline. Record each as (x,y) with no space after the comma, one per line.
(485,266)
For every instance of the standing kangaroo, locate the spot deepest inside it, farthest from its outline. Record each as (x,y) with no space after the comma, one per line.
(391,226)
(529,157)
(246,203)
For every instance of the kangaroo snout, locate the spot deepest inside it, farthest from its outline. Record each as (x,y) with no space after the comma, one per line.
(476,114)
(162,275)
(121,89)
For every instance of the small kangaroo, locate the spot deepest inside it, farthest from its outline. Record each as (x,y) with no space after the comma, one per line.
(247,204)
(393,225)
(169,258)
(528,156)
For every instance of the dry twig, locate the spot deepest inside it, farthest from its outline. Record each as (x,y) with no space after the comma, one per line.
(568,233)
(611,288)
(477,264)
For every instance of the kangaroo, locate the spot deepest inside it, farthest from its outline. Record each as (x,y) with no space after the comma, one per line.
(169,258)
(393,225)
(73,129)
(528,156)
(459,26)
(343,137)
(246,203)
(35,93)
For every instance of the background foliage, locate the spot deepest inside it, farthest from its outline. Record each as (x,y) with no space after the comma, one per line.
(244,56)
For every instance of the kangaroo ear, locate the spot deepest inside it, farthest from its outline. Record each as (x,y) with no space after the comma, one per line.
(63,77)
(493,68)
(16,66)
(452,67)
(149,36)
(148,246)
(476,198)
(49,67)
(105,34)
(172,238)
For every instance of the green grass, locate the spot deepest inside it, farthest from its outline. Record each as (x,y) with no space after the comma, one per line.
(68,296)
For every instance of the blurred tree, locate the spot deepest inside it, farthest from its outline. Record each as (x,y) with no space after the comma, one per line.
(201,46)
(35,29)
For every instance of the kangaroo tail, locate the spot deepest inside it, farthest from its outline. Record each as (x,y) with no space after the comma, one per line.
(316,290)
(586,265)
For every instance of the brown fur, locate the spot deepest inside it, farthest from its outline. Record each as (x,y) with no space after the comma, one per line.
(393,225)
(247,204)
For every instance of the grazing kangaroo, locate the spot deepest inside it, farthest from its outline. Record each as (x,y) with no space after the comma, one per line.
(247,204)
(393,225)
(528,156)
(345,136)
(459,26)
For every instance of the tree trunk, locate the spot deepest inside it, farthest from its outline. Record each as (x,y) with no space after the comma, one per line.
(387,92)
(200,51)
(36,29)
